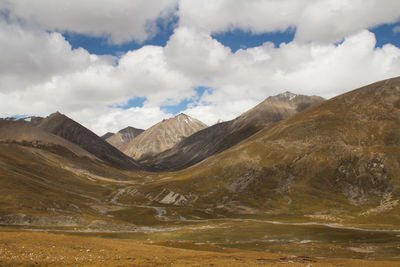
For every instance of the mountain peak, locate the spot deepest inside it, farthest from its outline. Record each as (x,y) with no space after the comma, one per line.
(124,136)
(163,136)
(57,113)
(61,125)
(287,94)
(129,128)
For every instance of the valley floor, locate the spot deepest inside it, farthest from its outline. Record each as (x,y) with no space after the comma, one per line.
(48,249)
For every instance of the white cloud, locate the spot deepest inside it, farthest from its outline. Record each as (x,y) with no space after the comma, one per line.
(36,56)
(248,76)
(196,53)
(396,29)
(331,20)
(113,120)
(43,74)
(315,20)
(119,20)
(124,20)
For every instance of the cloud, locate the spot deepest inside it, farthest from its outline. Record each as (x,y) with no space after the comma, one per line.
(196,53)
(44,74)
(118,20)
(113,120)
(36,56)
(331,20)
(248,76)
(322,21)
(396,29)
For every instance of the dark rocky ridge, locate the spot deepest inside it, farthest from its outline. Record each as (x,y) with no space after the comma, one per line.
(72,131)
(106,135)
(25,132)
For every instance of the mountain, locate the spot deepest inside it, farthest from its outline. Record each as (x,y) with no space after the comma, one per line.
(336,161)
(22,131)
(46,180)
(106,135)
(123,137)
(222,136)
(72,131)
(162,136)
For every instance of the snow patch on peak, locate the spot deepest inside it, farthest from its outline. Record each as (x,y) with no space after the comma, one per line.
(288,94)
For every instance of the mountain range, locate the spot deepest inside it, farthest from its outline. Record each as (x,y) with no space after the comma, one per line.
(338,159)
(221,136)
(332,160)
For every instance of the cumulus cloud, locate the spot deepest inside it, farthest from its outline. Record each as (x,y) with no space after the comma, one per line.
(113,120)
(36,56)
(314,20)
(44,74)
(252,74)
(118,20)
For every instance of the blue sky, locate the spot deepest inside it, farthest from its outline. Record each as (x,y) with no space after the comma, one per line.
(234,39)
(385,34)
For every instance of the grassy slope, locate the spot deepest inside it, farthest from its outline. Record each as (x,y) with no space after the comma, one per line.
(340,157)
(39,182)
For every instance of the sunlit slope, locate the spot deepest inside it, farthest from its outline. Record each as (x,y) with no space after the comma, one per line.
(341,156)
(162,136)
(123,137)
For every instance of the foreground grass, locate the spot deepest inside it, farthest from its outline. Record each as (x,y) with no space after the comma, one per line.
(45,249)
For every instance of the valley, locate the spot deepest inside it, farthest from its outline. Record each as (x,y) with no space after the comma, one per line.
(302,181)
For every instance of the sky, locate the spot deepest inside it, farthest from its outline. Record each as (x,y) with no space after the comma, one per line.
(111,64)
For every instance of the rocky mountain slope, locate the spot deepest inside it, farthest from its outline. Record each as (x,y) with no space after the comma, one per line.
(123,137)
(60,125)
(162,136)
(222,136)
(24,132)
(336,161)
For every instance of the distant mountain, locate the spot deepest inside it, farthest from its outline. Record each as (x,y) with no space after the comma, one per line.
(123,137)
(222,136)
(22,131)
(72,131)
(336,161)
(106,135)
(162,136)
